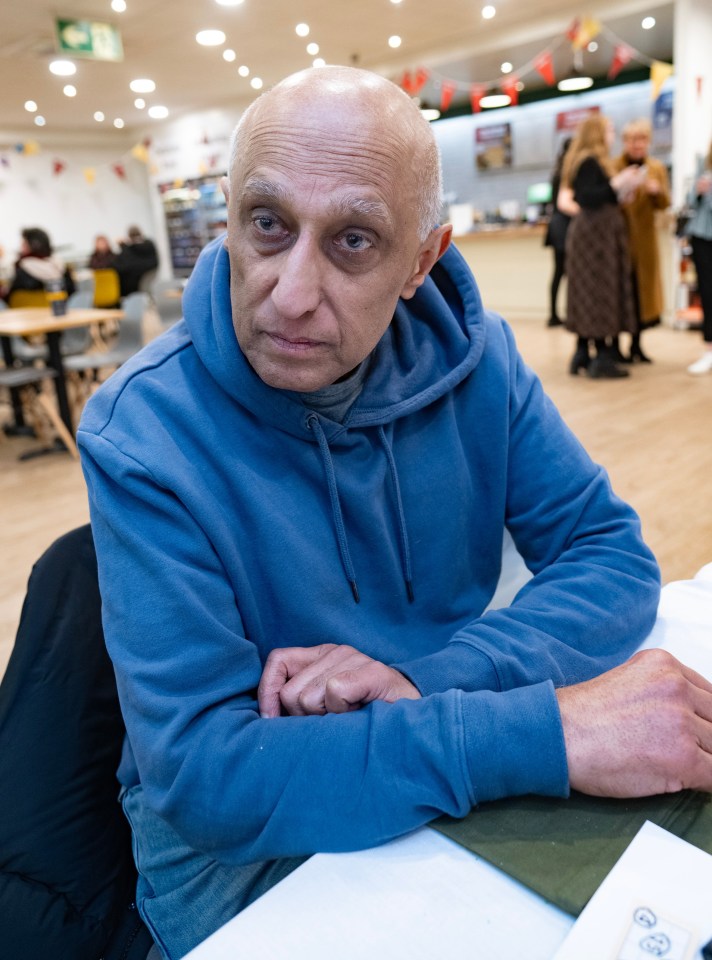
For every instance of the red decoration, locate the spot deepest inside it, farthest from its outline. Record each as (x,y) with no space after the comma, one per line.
(419,80)
(119,170)
(58,166)
(447,92)
(698,83)
(509,86)
(477,91)
(573,30)
(545,65)
(621,56)
(407,82)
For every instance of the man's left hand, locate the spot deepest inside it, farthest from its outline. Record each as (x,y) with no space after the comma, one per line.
(330,678)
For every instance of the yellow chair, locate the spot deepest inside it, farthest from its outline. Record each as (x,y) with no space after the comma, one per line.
(107,289)
(28,298)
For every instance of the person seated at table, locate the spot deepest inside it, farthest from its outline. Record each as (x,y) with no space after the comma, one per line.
(37,266)
(102,256)
(299,495)
(137,256)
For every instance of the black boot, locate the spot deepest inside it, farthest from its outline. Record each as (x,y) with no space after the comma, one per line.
(581,358)
(555,321)
(604,367)
(614,351)
(636,353)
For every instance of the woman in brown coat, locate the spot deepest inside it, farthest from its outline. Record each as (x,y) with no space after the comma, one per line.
(639,208)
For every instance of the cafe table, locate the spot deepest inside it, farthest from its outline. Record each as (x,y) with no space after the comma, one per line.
(40,321)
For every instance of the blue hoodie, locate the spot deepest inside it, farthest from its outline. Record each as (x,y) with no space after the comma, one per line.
(230,519)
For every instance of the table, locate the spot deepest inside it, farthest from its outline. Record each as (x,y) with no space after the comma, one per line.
(38,321)
(423,896)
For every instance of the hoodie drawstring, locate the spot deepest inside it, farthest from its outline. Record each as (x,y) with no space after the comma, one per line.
(314,424)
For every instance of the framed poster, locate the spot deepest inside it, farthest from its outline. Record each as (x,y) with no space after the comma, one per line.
(493,146)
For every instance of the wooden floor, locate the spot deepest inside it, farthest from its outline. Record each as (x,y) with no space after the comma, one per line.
(652,432)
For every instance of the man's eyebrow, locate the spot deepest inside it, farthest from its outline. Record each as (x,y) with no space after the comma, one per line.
(267,191)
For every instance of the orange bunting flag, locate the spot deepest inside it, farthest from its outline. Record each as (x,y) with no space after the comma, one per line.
(407,82)
(545,65)
(622,55)
(140,152)
(588,30)
(477,91)
(447,92)
(573,30)
(659,73)
(89,175)
(419,80)
(509,86)
(58,166)
(120,170)
(31,148)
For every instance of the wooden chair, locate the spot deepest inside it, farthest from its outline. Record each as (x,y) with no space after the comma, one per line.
(40,410)
(107,289)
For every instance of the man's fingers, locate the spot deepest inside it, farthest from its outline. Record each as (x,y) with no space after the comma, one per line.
(304,694)
(283,664)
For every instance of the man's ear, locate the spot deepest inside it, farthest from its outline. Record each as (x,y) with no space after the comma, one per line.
(225,187)
(432,248)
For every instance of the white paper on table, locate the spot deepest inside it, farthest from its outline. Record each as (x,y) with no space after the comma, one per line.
(655,902)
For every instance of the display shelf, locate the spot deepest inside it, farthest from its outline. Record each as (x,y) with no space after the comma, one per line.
(195,212)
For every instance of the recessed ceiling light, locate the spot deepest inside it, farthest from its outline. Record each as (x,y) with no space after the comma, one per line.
(158,112)
(427,113)
(592,47)
(312,49)
(99,116)
(395,1)
(256,83)
(571,84)
(30,106)
(302,29)
(142,86)
(139,103)
(229,3)
(69,90)
(229,55)
(487,13)
(319,62)
(648,23)
(210,38)
(63,68)
(243,71)
(519,86)
(495,100)
(506,67)
(118,6)
(394,41)
(119,123)
(40,121)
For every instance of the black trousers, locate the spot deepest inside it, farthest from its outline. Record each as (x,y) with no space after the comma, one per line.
(702,257)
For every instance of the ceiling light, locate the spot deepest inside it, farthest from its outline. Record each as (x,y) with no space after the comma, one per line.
(243,71)
(519,86)
(158,112)
(495,100)
(142,86)
(592,47)
(428,113)
(118,6)
(394,41)
(63,68)
(30,106)
(40,121)
(506,67)
(229,3)
(648,23)
(319,62)
(229,55)
(488,12)
(574,82)
(99,116)
(302,29)
(256,83)
(139,103)
(395,1)
(312,49)
(210,38)
(69,90)
(119,123)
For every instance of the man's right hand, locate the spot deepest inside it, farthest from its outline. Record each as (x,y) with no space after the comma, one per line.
(643,728)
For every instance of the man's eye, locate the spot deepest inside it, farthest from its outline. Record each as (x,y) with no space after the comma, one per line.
(264,223)
(355,241)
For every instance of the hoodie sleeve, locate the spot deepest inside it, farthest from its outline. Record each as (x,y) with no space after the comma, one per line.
(245,789)
(596,585)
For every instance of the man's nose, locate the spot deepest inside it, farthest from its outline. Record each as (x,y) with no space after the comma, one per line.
(298,287)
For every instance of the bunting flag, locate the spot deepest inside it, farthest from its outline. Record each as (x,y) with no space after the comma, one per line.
(477,91)
(31,148)
(58,166)
(447,92)
(509,86)
(419,80)
(407,82)
(573,30)
(588,30)
(140,152)
(659,73)
(120,170)
(4,162)
(89,175)
(544,64)
(622,55)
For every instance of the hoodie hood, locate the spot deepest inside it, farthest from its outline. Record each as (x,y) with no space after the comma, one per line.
(434,341)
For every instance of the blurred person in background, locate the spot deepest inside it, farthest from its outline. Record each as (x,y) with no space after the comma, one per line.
(557,229)
(699,231)
(639,208)
(102,256)
(600,297)
(37,266)
(137,257)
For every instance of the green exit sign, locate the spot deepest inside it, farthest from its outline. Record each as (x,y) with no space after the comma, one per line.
(90,39)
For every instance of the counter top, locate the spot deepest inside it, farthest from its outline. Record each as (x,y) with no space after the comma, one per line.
(507,231)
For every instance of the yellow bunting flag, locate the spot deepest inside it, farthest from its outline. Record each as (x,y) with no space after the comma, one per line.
(31,147)
(89,174)
(659,73)
(588,30)
(140,152)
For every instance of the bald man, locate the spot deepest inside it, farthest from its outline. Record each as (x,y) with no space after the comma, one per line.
(299,495)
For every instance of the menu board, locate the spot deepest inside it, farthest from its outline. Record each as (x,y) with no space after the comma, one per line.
(493,146)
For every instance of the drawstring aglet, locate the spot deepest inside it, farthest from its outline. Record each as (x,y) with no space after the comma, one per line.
(354,590)
(409,590)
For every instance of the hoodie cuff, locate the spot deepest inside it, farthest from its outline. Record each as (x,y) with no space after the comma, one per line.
(458,666)
(514,743)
